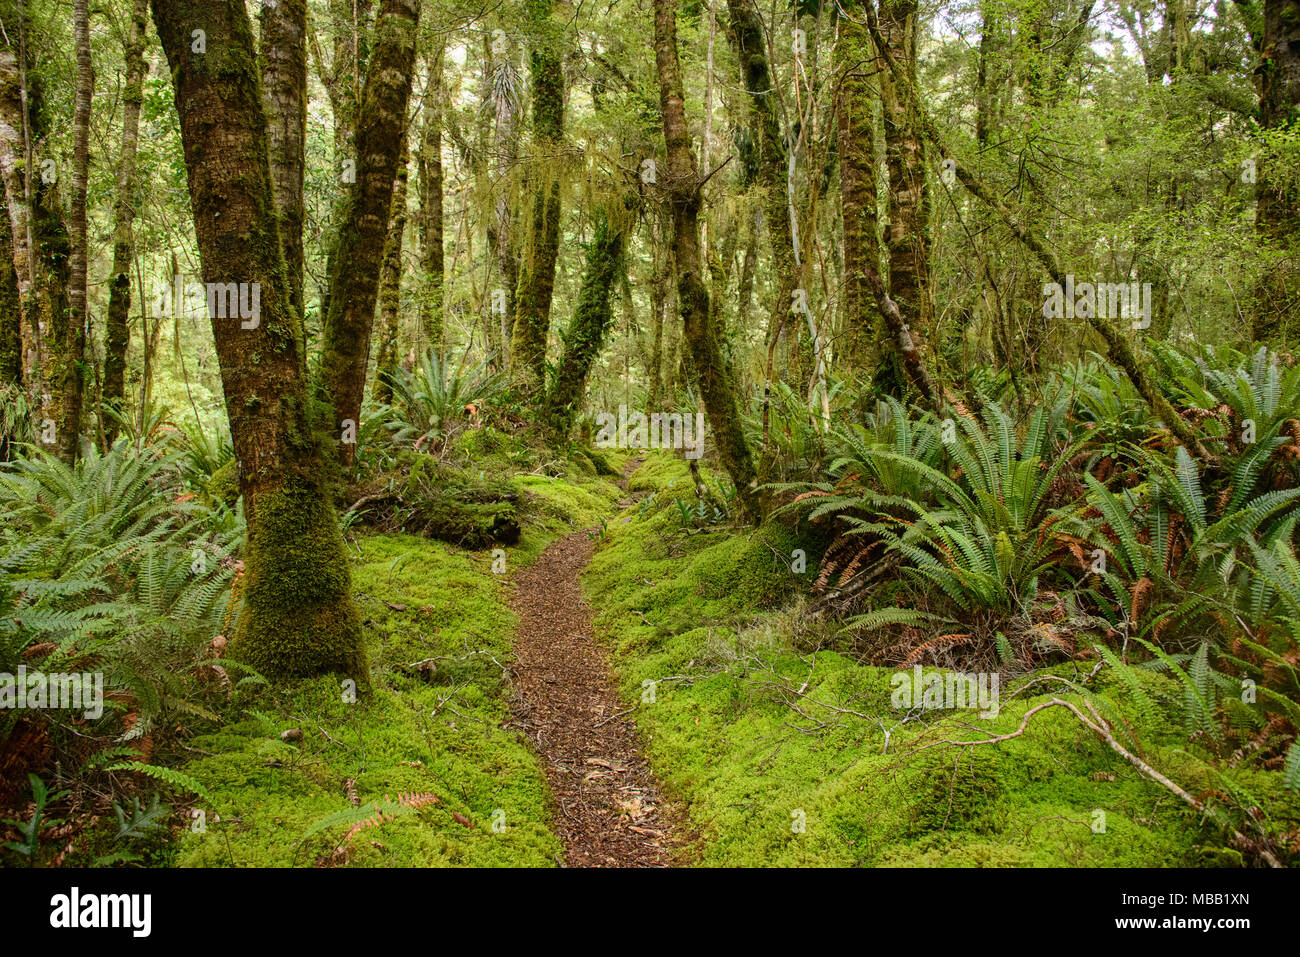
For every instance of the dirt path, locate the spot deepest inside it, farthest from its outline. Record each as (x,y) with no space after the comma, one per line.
(607,810)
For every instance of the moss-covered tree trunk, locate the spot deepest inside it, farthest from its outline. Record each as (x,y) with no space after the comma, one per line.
(351,23)
(298,617)
(855,106)
(284,95)
(390,286)
(537,266)
(587,329)
(1278,211)
(117,334)
(683,188)
(11,311)
(502,234)
(73,384)
(907,241)
(432,263)
(354,282)
(17,360)
(750,44)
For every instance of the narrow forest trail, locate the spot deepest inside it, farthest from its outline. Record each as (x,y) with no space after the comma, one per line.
(607,809)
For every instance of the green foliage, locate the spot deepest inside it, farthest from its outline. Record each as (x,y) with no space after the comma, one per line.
(430,400)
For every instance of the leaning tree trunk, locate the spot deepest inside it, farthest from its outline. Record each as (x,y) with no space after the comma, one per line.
(591,320)
(683,188)
(537,270)
(298,616)
(74,342)
(117,335)
(354,283)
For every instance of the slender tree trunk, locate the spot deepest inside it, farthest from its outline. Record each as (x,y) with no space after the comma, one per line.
(298,616)
(747,37)
(537,270)
(431,213)
(284,96)
(908,237)
(855,66)
(20,231)
(117,335)
(351,31)
(11,311)
(354,283)
(390,285)
(683,187)
(74,344)
(591,320)
(506,83)
(1278,210)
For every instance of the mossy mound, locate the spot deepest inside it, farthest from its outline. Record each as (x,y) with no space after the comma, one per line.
(786,753)
(438,632)
(440,501)
(298,617)
(223,486)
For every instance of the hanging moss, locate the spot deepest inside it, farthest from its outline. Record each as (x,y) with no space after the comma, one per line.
(591,320)
(298,619)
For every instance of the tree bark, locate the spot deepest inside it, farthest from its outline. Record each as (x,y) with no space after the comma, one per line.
(907,240)
(591,320)
(1278,210)
(11,311)
(506,83)
(298,616)
(284,96)
(390,285)
(354,282)
(117,335)
(432,263)
(20,231)
(74,343)
(746,32)
(855,65)
(683,188)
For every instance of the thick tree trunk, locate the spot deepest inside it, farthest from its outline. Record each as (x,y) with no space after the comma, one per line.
(298,617)
(907,241)
(683,187)
(587,329)
(354,282)
(390,285)
(855,66)
(74,343)
(432,326)
(537,270)
(117,335)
